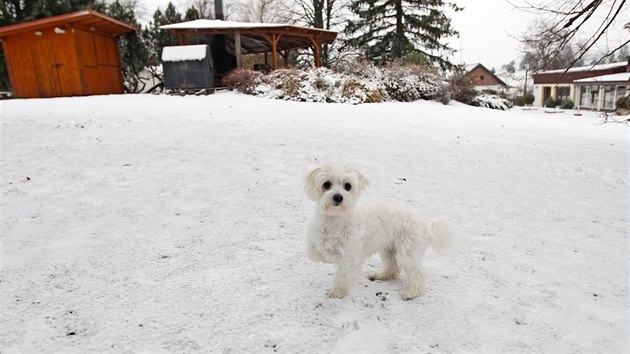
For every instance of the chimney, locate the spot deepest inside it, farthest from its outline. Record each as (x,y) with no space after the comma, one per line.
(218,10)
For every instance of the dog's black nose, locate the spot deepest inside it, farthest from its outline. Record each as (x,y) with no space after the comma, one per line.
(337,198)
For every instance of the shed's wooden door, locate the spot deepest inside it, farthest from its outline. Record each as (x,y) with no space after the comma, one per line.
(52,69)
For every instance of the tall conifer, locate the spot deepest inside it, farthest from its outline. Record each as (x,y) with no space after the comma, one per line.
(391,29)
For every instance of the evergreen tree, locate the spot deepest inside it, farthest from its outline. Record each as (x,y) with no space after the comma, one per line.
(133,49)
(192,14)
(385,30)
(160,38)
(171,15)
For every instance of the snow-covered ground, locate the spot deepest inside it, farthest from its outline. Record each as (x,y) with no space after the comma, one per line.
(148,223)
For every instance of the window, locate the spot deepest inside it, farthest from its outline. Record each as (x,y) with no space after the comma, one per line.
(594,91)
(562,93)
(609,97)
(481,77)
(583,99)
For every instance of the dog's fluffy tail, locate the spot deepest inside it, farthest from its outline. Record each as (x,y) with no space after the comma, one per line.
(441,235)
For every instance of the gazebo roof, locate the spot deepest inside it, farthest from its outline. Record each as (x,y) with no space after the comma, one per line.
(87,18)
(257,37)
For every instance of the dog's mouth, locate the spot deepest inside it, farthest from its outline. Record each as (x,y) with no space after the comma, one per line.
(335,208)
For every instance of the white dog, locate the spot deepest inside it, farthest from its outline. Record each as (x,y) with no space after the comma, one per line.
(345,233)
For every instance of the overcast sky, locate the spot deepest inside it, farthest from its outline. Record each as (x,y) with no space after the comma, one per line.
(487,29)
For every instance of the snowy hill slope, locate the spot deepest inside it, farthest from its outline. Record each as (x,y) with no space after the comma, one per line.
(154,223)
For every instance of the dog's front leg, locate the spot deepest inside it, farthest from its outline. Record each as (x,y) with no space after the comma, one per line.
(313,254)
(345,276)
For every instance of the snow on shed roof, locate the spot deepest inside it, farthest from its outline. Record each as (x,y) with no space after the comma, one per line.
(620,77)
(185,52)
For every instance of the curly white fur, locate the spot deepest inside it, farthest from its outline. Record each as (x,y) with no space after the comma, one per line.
(345,233)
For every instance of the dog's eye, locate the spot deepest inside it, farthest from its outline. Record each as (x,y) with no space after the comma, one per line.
(347,186)
(327,185)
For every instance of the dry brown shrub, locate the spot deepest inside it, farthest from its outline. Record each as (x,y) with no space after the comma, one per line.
(242,80)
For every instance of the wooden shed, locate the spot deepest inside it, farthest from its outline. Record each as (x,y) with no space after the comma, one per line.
(68,55)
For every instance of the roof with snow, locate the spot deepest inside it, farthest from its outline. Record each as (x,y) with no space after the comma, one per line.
(586,68)
(568,76)
(612,78)
(470,67)
(185,52)
(251,37)
(257,37)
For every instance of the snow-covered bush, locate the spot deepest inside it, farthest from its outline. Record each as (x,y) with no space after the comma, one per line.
(361,83)
(408,83)
(518,101)
(315,85)
(568,104)
(491,101)
(550,102)
(242,80)
(355,90)
(461,87)
(529,98)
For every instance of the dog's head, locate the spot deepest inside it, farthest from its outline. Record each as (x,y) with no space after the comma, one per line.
(335,188)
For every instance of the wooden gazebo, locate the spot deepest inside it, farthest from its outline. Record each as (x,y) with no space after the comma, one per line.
(68,55)
(252,38)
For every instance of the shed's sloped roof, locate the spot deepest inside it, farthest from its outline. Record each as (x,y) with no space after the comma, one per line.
(89,19)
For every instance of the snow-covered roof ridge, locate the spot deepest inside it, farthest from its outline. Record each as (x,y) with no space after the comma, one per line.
(586,68)
(469,67)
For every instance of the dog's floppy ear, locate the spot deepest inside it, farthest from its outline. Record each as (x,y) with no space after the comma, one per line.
(363,182)
(311,187)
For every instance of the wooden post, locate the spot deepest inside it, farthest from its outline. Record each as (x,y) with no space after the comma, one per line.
(274,52)
(286,57)
(237,48)
(315,51)
(275,37)
(180,39)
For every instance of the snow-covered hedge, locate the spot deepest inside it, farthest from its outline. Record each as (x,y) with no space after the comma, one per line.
(491,101)
(360,83)
(357,84)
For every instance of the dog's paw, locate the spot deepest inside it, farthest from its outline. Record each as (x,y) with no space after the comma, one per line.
(337,293)
(410,294)
(380,276)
